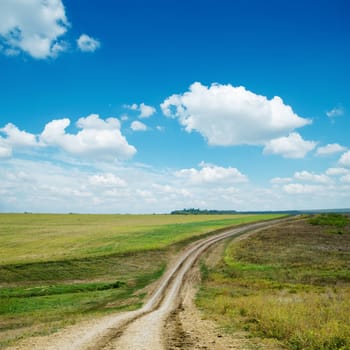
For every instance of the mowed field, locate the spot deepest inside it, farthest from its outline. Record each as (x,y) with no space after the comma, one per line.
(58,269)
(287,286)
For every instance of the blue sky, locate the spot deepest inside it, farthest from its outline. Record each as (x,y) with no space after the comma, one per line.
(150,106)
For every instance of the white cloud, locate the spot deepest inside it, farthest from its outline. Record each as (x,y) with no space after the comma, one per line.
(307,176)
(330,149)
(335,112)
(88,44)
(49,186)
(345,159)
(107,180)
(210,173)
(5,150)
(291,146)
(337,171)
(34,27)
(138,126)
(226,115)
(145,110)
(97,138)
(16,137)
(302,189)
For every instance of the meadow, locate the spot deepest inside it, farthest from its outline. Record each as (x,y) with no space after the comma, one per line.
(287,286)
(58,269)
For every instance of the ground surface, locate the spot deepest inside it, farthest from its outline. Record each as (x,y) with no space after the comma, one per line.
(167,321)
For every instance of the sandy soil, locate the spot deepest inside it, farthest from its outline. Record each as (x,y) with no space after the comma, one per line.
(168,320)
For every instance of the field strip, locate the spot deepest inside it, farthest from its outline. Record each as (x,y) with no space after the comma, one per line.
(142,328)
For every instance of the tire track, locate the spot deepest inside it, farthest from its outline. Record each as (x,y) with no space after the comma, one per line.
(146,330)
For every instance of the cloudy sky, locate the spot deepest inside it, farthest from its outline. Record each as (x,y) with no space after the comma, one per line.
(149,106)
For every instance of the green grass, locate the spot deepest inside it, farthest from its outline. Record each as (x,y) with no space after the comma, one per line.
(32,238)
(290,284)
(56,269)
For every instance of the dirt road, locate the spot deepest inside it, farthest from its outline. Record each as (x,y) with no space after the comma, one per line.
(148,327)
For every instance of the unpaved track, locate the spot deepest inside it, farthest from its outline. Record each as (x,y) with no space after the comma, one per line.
(143,328)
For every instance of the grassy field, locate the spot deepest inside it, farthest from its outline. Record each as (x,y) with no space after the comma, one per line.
(57,269)
(289,285)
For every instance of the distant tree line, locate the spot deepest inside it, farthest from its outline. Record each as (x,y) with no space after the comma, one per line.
(194,211)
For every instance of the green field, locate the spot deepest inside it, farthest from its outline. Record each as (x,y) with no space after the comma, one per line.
(288,285)
(57,269)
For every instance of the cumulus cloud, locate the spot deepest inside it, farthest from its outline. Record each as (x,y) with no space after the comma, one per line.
(335,112)
(146,111)
(226,115)
(138,126)
(312,177)
(209,173)
(97,138)
(16,137)
(292,146)
(330,149)
(345,159)
(34,27)
(87,44)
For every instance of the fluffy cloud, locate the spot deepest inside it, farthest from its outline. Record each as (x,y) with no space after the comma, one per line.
(138,126)
(226,115)
(97,138)
(307,176)
(88,44)
(330,149)
(34,27)
(345,159)
(15,139)
(210,173)
(145,110)
(335,112)
(292,146)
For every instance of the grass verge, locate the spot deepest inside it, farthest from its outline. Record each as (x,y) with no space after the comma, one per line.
(289,284)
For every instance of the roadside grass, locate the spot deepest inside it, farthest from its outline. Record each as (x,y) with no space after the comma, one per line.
(289,284)
(57,269)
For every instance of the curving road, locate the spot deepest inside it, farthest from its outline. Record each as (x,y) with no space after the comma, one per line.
(143,328)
